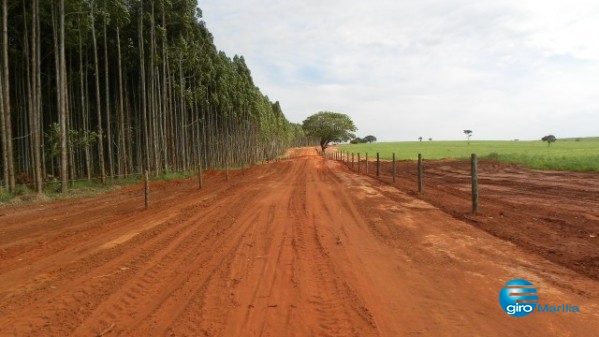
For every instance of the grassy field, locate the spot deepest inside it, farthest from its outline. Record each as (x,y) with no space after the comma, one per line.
(580,154)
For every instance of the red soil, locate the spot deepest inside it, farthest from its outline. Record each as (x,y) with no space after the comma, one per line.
(300,247)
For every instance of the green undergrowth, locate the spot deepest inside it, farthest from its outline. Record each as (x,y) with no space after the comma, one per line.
(24,194)
(86,188)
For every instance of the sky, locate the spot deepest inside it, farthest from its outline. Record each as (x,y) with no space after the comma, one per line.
(403,69)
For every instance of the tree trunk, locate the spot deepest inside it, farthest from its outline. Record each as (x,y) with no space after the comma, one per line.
(84,107)
(153,106)
(34,97)
(144,112)
(3,128)
(9,157)
(122,139)
(98,98)
(107,95)
(165,86)
(64,181)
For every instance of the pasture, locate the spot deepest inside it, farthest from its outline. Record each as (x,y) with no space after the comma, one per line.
(581,154)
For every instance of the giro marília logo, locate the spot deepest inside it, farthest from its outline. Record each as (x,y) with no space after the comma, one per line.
(518,298)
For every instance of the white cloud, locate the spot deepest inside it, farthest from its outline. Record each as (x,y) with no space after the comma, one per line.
(403,69)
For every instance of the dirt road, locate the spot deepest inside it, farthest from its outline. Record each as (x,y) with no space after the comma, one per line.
(300,247)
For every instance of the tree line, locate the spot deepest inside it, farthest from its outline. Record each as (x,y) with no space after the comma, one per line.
(109,88)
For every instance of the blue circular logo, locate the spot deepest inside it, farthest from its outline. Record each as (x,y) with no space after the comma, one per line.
(518,298)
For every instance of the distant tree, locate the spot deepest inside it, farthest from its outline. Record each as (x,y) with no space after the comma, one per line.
(420,138)
(356,140)
(329,127)
(469,134)
(369,139)
(549,139)
(430,139)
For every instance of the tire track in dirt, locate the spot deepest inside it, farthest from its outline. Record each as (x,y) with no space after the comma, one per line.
(148,290)
(75,293)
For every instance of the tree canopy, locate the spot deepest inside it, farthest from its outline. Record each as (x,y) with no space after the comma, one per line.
(329,127)
(549,139)
(469,134)
(367,139)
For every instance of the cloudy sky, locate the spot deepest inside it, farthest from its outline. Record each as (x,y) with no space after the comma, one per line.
(407,68)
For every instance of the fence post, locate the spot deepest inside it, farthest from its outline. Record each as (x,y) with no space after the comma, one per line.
(474,169)
(366,163)
(227,168)
(378,165)
(394,169)
(359,170)
(420,174)
(200,180)
(352,161)
(146,189)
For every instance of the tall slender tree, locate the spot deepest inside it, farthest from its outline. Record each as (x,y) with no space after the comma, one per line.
(8,156)
(107,94)
(64,177)
(98,96)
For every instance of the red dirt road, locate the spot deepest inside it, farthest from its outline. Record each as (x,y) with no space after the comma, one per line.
(301,247)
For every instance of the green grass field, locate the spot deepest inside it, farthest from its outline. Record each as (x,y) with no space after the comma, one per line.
(565,154)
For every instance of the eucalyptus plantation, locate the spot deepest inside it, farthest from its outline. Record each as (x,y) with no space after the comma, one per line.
(103,89)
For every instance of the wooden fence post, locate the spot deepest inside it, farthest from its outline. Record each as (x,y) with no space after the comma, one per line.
(146,189)
(394,168)
(359,170)
(352,161)
(420,174)
(378,165)
(200,180)
(366,163)
(474,169)
(227,169)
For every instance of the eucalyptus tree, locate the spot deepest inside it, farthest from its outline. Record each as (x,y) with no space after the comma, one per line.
(92,6)
(7,144)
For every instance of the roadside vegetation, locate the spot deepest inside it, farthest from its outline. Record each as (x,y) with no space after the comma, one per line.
(574,154)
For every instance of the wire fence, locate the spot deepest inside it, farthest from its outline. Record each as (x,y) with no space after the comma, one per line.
(349,159)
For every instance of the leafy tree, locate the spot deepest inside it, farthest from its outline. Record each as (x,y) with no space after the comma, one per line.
(420,138)
(549,139)
(468,134)
(329,127)
(369,139)
(356,140)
